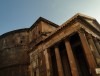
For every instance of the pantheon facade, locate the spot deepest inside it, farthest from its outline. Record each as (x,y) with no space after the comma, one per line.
(48,49)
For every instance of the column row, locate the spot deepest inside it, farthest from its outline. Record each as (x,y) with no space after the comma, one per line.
(95,48)
(72,62)
(60,69)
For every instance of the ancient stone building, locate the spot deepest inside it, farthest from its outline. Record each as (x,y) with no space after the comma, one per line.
(46,49)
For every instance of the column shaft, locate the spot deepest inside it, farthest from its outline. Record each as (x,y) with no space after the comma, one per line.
(59,63)
(92,45)
(98,50)
(48,63)
(72,62)
(97,45)
(88,53)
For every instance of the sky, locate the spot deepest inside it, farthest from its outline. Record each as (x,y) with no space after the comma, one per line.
(18,14)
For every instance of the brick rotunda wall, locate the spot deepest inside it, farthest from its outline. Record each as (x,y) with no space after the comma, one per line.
(13,53)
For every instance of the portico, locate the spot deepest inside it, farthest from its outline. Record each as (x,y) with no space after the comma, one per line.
(72,50)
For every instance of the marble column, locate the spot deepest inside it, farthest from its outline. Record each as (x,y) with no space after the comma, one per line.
(93,47)
(97,44)
(48,62)
(98,50)
(89,56)
(59,63)
(71,58)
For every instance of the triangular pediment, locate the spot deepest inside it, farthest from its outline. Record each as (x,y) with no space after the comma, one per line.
(87,21)
(92,21)
(41,19)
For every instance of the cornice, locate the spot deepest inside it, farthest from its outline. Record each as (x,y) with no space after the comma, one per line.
(13,32)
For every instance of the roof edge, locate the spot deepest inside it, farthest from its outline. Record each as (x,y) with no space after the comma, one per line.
(13,31)
(44,20)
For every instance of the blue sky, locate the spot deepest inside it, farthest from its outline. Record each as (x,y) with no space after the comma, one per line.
(17,14)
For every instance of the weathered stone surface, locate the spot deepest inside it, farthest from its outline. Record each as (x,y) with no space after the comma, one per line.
(13,54)
(24,52)
(14,48)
